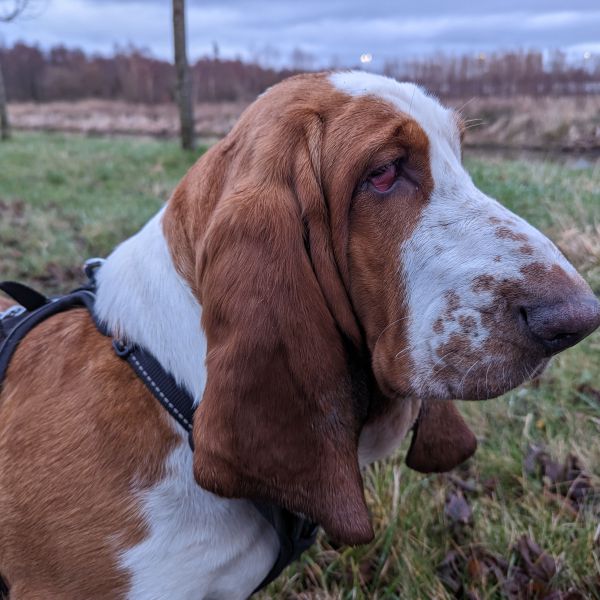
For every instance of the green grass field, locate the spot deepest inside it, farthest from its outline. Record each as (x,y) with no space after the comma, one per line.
(65,198)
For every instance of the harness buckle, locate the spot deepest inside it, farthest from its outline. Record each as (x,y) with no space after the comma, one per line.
(90,266)
(122,349)
(13,311)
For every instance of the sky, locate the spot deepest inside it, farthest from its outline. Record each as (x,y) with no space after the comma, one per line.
(327,32)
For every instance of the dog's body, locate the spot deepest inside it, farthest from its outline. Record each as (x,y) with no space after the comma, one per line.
(148,531)
(99,490)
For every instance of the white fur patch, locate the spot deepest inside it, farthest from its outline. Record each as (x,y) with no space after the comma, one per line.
(142,298)
(457,238)
(198,545)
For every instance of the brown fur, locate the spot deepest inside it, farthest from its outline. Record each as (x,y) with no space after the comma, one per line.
(5,303)
(295,267)
(77,430)
(441,439)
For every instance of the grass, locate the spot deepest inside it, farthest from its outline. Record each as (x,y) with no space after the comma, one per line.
(65,198)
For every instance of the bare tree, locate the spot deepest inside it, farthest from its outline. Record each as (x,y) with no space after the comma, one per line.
(9,11)
(184,82)
(4,123)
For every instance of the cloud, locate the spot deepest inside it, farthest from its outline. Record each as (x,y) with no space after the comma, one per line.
(271,30)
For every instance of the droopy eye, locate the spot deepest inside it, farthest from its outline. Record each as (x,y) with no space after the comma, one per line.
(384,177)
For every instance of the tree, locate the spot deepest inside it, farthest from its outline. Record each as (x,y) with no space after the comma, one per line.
(9,11)
(184,82)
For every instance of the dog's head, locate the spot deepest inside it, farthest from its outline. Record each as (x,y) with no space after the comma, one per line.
(347,267)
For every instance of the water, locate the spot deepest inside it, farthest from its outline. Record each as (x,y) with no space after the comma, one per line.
(577,161)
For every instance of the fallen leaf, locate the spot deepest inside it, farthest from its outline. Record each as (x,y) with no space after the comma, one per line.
(568,479)
(538,565)
(588,390)
(457,509)
(449,571)
(469,572)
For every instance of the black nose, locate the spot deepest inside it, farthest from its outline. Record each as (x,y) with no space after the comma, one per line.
(560,325)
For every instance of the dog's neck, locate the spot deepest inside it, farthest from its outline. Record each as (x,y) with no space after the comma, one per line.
(142,299)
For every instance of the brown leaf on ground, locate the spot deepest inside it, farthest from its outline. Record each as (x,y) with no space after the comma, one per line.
(457,509)
(490,485)
(367,569)
(469,572)
(449,571)
(568,479)
(459,516)
(588,390)
(534,572)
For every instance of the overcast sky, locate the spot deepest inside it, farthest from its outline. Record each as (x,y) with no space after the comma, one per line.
(337,31)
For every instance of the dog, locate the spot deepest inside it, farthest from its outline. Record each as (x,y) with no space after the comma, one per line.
(323,280)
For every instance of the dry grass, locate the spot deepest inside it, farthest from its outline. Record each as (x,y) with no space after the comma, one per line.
(546,123)
(115,117)
(568,123)
(582,246)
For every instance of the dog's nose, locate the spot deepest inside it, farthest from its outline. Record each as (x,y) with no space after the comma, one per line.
(560,325)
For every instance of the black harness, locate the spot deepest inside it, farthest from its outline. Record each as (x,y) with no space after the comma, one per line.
(295,533)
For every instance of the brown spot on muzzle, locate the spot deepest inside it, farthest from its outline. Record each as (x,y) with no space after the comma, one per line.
(438,326)
(483,283)
(550,282)
(555,301)
(452,305)
(467,323)
(505,233)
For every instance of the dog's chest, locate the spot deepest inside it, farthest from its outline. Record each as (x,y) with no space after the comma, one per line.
(198,546)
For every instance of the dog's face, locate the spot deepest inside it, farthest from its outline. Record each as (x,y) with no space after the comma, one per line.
(347,268)
(459,297)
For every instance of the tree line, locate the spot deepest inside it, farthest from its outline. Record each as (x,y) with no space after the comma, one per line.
(503,74)
(60,73)
(131,75)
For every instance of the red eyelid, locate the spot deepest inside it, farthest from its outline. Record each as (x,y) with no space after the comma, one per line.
(383,179)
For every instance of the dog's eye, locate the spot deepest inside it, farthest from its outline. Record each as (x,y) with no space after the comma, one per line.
(384,177)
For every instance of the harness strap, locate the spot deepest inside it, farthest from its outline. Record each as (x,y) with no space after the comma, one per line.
(24,295)
(295,533)
(163,387)
(19,323)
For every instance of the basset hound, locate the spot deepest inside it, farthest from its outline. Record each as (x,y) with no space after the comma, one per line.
(323,280)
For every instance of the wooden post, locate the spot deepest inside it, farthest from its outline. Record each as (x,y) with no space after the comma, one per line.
(184,82)
(4,125)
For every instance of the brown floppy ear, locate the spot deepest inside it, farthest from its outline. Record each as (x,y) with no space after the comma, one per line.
(441,438)
(278,420)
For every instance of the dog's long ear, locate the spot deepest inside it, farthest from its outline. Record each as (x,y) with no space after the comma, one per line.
(441,439)
(278,420)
